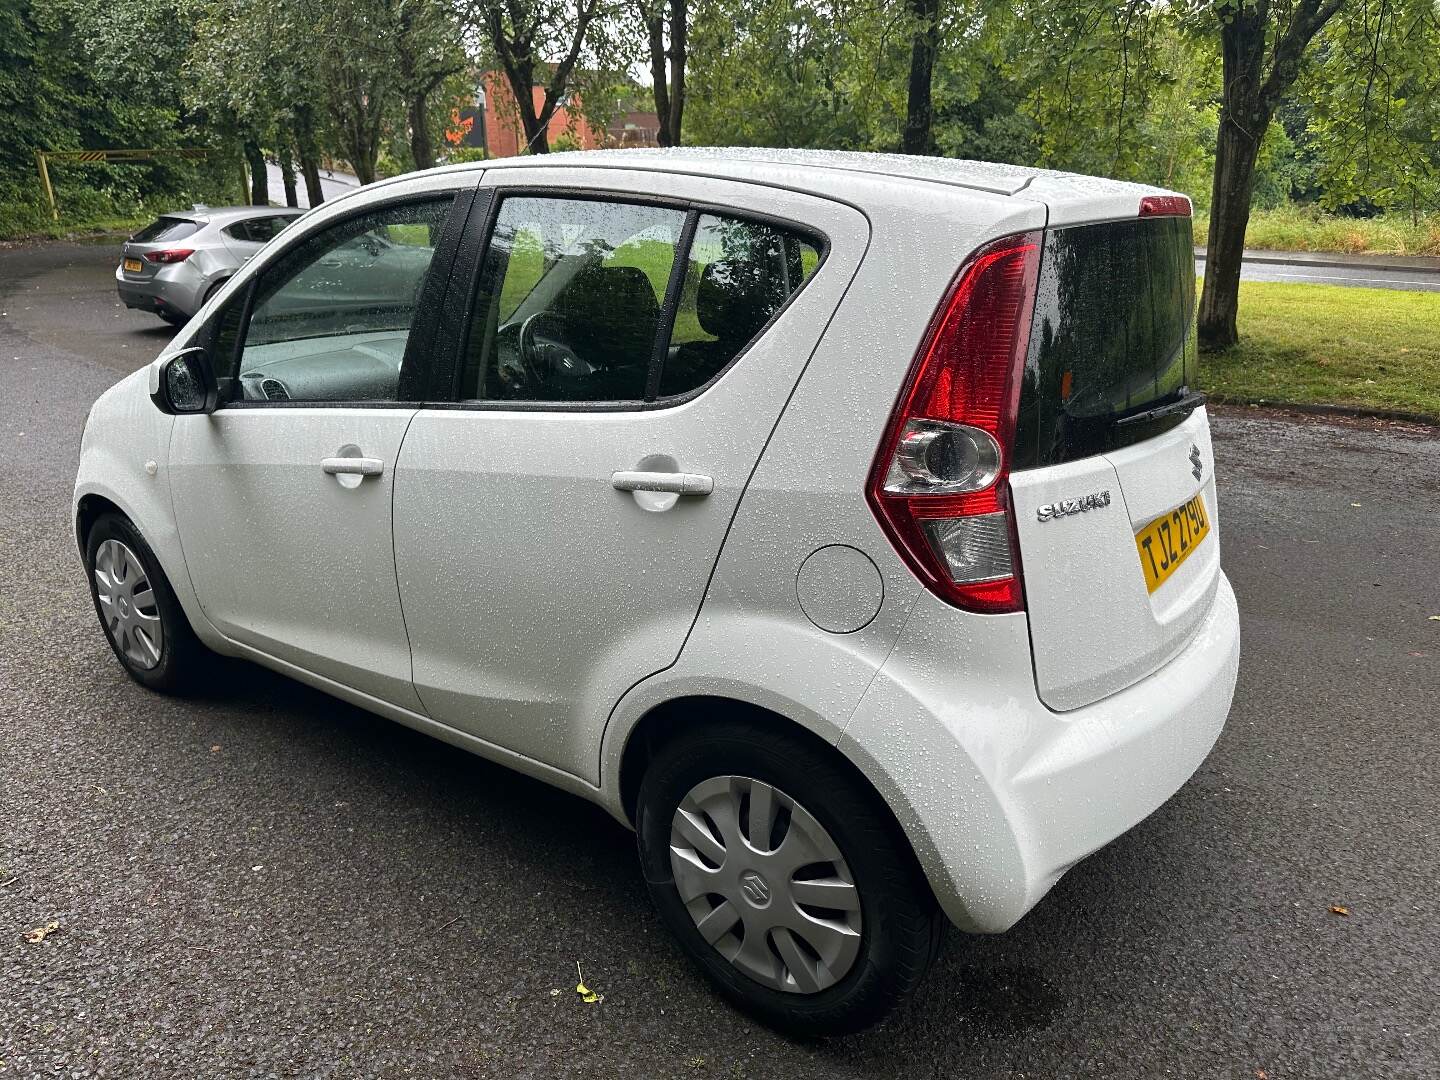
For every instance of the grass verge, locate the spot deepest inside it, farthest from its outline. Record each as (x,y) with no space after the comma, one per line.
(1333,345)
(1295,228)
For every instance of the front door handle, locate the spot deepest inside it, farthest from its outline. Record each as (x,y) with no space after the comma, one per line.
(352,466)
(673,483)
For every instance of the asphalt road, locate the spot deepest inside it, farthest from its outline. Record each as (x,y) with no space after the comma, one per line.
(261,881)
(1373,273)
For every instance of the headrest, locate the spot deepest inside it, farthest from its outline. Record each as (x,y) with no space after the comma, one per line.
(736,297)
(617,307)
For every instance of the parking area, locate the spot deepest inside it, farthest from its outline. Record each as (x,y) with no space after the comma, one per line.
(264,881)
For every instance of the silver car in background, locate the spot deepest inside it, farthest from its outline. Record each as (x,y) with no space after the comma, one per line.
(173,265)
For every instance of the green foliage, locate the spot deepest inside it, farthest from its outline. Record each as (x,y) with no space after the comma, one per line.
(1375,119)
(57,91)
(1309,228)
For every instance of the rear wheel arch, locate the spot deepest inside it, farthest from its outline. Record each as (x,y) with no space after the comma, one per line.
(682,715)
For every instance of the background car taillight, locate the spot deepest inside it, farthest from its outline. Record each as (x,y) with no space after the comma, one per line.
(939,485)
(173,255)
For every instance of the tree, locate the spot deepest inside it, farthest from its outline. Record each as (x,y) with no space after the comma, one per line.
(1263,46)
(427,46)
(1373,111)
(924,44)
(523,34)
(670,18)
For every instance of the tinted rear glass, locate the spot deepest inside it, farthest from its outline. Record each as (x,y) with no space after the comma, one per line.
(166,228)
(1113,335)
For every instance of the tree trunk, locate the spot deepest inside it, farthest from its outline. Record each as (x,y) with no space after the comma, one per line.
(659,81)
(1244,115)
(679,43)
(422,148)
(522,85)
(287,169)
(259,177)
(1248,101)
(923,46)
(1235,153)
(309,155)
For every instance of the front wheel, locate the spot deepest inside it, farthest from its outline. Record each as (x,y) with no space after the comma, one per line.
(784,878)
(144,623)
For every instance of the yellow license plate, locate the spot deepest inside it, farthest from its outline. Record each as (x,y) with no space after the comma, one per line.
(1168,540)
(133,266)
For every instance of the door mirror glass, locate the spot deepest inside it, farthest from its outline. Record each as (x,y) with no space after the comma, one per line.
(186,384)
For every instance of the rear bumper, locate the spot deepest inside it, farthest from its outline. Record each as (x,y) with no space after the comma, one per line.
(162,293)
(998,794)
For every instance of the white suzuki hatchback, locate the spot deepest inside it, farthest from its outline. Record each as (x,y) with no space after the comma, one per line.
(844,523)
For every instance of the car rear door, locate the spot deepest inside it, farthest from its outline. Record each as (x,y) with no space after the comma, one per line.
(539,576)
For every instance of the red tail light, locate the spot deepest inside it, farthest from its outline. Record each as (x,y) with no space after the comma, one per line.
(1164,206)
(173,255)
(939,486)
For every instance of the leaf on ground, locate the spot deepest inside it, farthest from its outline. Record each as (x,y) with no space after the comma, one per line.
(590,997)
(1337,909)
(40,933)
(1435,618)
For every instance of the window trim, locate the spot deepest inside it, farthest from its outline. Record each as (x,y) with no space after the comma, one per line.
(423,329)
(694,209)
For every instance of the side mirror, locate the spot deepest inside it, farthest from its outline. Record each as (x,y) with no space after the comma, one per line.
(187,384)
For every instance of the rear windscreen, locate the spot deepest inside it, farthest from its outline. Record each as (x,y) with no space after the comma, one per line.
(1112,336)
(166,228)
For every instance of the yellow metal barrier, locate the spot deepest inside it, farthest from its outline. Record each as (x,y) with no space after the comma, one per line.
(95,157)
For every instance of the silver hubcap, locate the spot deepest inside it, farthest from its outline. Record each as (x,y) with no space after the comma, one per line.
(765,884)
(127,605)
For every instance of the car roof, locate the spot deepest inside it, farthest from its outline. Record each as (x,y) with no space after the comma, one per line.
(221,215)
(1070,198)
(997,177)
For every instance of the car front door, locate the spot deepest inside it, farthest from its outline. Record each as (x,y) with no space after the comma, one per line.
(627,357)
(283,495)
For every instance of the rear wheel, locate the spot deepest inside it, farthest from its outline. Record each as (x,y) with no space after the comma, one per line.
(784,878)
(142,620)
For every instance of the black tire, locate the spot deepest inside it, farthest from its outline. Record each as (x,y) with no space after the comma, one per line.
(182,655)
(216,287)
(901,923)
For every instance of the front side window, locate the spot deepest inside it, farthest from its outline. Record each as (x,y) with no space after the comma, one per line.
(572,303)
(330,320)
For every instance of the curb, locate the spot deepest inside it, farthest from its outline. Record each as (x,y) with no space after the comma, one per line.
(1412,264)
(1358,412)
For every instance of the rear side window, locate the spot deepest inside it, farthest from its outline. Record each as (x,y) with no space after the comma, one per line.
(165,229)
(590,300)
(258,230)
(1113,334)
(571,292)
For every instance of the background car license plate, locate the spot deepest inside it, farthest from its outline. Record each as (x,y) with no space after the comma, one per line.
(1168,540)
(133,266)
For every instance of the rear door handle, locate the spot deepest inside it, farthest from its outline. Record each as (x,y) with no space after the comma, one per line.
(674,483)
(352,466)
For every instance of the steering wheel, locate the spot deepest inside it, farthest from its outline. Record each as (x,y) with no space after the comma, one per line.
(544,354)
